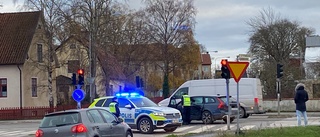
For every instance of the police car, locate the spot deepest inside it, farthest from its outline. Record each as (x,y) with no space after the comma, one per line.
(141,113)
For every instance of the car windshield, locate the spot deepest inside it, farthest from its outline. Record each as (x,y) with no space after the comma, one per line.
(143,102)
(62,119)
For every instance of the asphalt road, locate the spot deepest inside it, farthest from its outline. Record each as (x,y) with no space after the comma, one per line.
(26,129)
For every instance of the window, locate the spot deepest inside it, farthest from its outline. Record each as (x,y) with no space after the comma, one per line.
(34,91)
(123,102)
(107,116)
(100,102)
(180,92)
(39,52)
(108,101)
(196,100)
(209,100)
(64,119)
(3,87)
(94,116)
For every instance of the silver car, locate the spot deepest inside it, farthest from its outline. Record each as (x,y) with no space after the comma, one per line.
(88,122)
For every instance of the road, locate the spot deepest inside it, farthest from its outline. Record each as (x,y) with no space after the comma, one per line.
(25,129)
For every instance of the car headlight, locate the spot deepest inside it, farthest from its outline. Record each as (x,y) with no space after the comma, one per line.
(159,114)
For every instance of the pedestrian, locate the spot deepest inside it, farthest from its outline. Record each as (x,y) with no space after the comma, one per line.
(114,107)
(300,99)
(185,103)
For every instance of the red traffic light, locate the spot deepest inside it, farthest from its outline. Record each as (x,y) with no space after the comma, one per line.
(224,62)
(80,71)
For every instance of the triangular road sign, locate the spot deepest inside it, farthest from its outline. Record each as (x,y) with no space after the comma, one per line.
(237,69)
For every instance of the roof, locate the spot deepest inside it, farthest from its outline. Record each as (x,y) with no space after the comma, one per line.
(16,33)
(206,60)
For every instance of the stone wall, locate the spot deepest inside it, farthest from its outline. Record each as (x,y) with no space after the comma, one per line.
(289,105)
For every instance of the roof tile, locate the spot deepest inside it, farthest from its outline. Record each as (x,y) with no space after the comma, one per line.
(16,33)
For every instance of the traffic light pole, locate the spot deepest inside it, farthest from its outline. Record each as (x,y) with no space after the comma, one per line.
(278,94)
(228,103)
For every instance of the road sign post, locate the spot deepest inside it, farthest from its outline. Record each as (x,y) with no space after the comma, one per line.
(237,69)
(78,95)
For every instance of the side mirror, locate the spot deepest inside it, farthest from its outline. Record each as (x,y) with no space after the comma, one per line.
(128,106)
(120,120)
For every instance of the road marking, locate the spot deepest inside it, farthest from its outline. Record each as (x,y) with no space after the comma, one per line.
(184,128)
(202,129)
(247,127)
(224,128)
(17,133)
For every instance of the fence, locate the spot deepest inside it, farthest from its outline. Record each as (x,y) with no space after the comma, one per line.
(17,113)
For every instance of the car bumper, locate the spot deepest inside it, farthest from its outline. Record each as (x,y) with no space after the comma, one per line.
(160,124)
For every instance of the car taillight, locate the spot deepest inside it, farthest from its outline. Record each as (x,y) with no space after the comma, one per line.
(39,133)
(221,104)
(256,101)
(80,128)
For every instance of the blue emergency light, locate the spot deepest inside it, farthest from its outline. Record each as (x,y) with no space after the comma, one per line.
(129,94)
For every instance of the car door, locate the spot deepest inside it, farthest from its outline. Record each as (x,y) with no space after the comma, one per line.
(196,107)
(211,104)
(176,98)
(117,128)
(127,110)
(104,129)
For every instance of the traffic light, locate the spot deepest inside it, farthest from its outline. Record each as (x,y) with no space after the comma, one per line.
(225,73)
(279,70)
(74,79)
(80,76)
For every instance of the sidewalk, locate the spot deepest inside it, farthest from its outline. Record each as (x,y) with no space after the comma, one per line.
(288,114)
(20,121)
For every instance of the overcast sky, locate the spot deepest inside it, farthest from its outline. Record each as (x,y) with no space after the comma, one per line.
(221,23)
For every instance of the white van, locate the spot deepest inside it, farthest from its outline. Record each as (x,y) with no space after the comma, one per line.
(250,92)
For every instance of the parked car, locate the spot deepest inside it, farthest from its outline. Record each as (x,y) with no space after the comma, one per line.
(234,107)
(88,122)
(205,108)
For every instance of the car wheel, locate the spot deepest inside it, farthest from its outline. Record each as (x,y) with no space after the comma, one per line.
(246,116)
(170,129)
(225,120)
(129,134)
(207,117)
(145,126)
(242,113)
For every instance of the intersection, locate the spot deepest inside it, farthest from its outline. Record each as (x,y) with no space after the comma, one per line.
(28,128)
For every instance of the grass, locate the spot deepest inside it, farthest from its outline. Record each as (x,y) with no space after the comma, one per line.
(308,131)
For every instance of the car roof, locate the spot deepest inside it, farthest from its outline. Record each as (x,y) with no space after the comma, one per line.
(71,111)
(108,97)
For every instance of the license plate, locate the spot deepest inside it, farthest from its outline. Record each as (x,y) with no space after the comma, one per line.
(175,121)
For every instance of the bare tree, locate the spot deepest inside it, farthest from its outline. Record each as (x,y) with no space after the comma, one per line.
(53,19)
(276,40)
(168,20)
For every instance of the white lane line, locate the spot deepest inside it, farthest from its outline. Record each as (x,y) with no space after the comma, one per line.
(202,129)
(224,128)
(247,127)
(185,128)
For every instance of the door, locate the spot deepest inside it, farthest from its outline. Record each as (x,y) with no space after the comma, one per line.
(127,110)
(176,98)
(104,129)
(116,127)
(196,107)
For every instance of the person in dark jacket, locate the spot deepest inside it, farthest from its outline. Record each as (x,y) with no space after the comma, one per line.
(300,99)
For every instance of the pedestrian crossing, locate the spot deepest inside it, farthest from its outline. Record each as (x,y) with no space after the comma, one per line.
(210,128)
(16,133)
